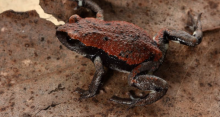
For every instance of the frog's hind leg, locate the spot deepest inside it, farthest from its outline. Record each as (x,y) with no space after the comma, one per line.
(93,6)
(182,37)
(157,87)
(93,87)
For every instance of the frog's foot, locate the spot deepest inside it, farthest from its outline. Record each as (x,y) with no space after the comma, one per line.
(128,101)
(194,24)
(84,93)
(156,87)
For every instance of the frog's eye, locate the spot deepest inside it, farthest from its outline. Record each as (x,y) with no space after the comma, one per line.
(74,19)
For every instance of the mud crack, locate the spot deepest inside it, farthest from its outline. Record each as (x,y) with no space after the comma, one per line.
(59,88)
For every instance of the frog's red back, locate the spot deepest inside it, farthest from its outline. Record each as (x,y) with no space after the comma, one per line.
(121,39)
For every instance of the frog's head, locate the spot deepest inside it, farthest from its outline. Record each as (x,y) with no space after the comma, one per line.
(68,33)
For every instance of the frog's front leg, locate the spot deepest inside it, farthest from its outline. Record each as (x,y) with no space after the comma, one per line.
(93,6)
(93,87)
(157,87)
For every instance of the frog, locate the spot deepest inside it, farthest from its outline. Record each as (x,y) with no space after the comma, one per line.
(124,47)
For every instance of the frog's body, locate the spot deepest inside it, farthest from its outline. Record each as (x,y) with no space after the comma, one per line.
(124,47)
(120,45)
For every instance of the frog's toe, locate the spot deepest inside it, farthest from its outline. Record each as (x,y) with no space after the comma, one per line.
(194,23)
(84,93)
(132,101)
(127,101)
